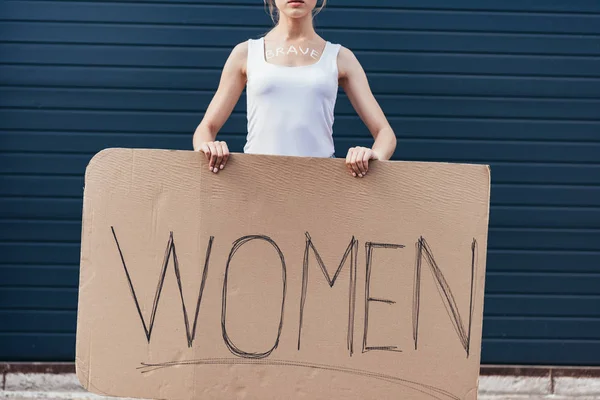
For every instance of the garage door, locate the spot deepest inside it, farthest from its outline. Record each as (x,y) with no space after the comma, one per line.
(512,83)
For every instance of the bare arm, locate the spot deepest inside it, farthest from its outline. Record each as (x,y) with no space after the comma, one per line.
(231,85)
(355,83)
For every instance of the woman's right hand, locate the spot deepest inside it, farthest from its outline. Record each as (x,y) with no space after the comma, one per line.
(217,154)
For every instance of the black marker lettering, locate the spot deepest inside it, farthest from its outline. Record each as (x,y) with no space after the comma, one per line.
(424,251)
(368,299)
(169,252)
(351,251)
(232,347)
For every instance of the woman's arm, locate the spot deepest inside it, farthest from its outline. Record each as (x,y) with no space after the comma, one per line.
(231,85)
(354,82)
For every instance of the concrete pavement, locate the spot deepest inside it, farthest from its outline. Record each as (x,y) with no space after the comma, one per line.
(29,386)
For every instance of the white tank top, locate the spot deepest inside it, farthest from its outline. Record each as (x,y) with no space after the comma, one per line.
(290,109)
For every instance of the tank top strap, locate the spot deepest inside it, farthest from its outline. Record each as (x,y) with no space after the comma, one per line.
(333,50)
(255,55)
(330,56)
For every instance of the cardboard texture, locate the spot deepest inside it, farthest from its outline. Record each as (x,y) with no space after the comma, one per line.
(280,278)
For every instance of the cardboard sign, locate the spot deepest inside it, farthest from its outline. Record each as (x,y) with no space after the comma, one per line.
(280,278)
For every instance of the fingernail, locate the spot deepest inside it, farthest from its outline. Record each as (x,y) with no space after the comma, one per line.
(353,174)
(360,175)
(216,170)
(222,166)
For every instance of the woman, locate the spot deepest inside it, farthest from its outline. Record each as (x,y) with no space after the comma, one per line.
(292,77)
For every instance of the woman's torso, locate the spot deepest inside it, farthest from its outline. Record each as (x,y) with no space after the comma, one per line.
(290,109)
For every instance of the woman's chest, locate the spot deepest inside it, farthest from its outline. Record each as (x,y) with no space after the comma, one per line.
(279,81)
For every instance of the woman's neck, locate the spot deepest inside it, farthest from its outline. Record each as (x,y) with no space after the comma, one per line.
(294,29)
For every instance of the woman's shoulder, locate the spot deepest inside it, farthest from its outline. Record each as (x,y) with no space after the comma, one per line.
(239,52)
(344,54)
(237,57)
(241,47)
(343,51)
(347,61)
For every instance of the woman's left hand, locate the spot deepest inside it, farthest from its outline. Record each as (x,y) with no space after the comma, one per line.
(357,160)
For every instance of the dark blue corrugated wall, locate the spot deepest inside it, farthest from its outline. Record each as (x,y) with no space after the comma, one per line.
(513,83)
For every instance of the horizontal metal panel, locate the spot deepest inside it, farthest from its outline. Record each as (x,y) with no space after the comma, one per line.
(49,276)
(39,208)
(447,147)
(544,239)
(42,164)
(29,230)
(51,347)
(544,283)
(541,305)
(372,61)
(38,298)
(541,328)
(392,105)
(541,352)
(185,123)
(567,196)
(38,321)
(337,15)
(546,173)
(460,5)
(545,217)
(25,186)
(39,254)
(389,40)
(543,261)
(388,83)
